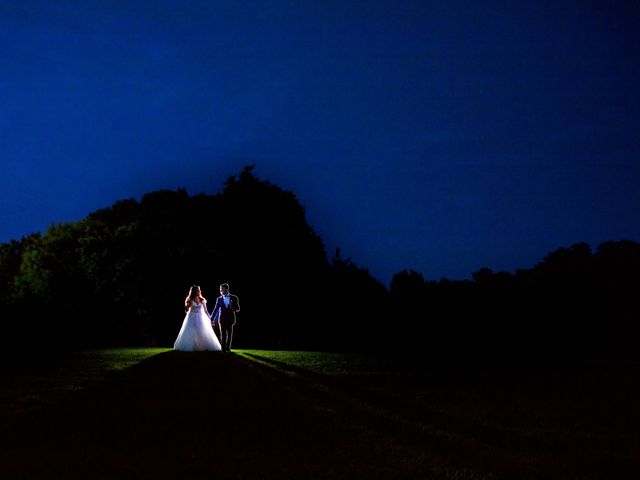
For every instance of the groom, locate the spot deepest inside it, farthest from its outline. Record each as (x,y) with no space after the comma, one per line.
(226,307)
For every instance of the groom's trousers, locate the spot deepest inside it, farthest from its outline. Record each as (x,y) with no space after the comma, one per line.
(226,334)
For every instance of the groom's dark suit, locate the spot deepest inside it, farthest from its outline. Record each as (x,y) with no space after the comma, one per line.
(226,318)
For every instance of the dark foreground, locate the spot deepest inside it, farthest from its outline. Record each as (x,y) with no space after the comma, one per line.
(199,415)
(224,416)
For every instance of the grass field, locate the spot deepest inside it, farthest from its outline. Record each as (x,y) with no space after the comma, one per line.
(557,422)
(331,415)
(28,385)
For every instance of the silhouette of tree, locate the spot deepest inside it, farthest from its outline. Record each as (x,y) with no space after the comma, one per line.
(119,277)
(359,310)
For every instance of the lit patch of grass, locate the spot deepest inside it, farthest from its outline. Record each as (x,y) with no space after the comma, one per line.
(114,359)
(323,363)
(34,386)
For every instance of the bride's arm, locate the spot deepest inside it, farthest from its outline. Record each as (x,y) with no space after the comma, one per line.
(215,310)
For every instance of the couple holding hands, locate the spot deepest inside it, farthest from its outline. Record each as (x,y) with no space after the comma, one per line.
(198,332)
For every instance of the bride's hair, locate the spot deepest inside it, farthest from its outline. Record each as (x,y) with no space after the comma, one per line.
(194,294)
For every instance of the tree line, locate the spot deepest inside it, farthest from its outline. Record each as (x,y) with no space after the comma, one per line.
(575,303)
(119,277)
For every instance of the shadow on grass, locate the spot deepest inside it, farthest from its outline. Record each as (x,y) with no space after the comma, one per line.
(199,415)
(208,414)
(40,382)
(569,420)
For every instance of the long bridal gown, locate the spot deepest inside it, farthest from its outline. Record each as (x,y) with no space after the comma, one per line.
(197,333)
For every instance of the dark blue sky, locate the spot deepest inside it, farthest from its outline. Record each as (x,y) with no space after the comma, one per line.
(438,136)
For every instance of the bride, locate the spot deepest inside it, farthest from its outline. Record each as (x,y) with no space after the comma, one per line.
(196,333)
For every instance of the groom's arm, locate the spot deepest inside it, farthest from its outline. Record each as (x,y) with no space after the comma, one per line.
(237,309)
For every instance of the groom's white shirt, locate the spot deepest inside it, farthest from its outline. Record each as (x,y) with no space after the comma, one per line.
(226,300)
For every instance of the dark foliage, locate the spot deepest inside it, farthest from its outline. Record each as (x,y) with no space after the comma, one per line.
(573,304)
(119,277)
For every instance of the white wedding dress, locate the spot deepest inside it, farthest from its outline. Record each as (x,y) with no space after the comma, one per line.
(197,333)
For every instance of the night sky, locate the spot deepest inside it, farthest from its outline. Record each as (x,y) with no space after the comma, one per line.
(438,136)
